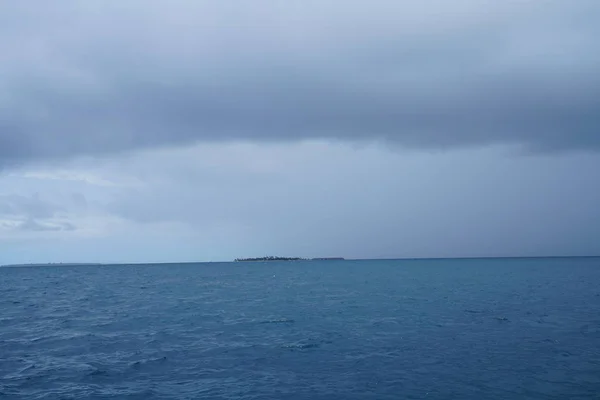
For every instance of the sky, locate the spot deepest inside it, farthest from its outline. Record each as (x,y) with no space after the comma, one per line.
(153,131)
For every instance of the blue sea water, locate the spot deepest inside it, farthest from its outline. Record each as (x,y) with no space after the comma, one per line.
(429,329)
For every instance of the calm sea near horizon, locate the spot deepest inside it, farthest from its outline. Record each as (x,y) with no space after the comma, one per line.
(386,329)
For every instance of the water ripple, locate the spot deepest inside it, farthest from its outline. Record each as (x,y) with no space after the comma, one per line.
(467,329)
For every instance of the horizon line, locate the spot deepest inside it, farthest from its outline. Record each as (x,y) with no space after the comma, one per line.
(91,264)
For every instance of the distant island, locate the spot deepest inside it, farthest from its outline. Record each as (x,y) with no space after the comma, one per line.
(273,258)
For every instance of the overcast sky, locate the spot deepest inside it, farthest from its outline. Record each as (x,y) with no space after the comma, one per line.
(146,130)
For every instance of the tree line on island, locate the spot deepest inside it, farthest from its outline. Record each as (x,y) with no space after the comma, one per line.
(274,258)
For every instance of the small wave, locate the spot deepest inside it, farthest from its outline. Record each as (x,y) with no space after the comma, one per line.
(279,321)
(590,330)
(98,372)
(474,311)
(28,368)
(553,341)
(139,364)
(301,346)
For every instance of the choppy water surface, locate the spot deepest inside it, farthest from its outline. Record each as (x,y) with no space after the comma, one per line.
(444,329)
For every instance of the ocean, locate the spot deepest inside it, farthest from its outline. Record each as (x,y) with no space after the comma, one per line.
(403,329)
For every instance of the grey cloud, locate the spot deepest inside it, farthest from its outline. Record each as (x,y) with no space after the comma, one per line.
(373,203)
(31,225)
(91,79)
(13,205)
(31,214)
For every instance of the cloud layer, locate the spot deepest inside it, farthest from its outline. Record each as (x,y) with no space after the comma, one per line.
(21,213)
(221,201)
(87,78)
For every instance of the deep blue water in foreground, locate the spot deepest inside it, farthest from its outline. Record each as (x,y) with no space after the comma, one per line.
(431,329)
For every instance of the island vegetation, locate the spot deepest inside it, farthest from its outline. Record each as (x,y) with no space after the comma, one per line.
(274,258)
(271,258)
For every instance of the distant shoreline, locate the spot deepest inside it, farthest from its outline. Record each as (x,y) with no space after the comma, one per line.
(273,258)
(269,258)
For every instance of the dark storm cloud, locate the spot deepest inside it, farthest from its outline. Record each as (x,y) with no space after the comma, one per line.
(95,78)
